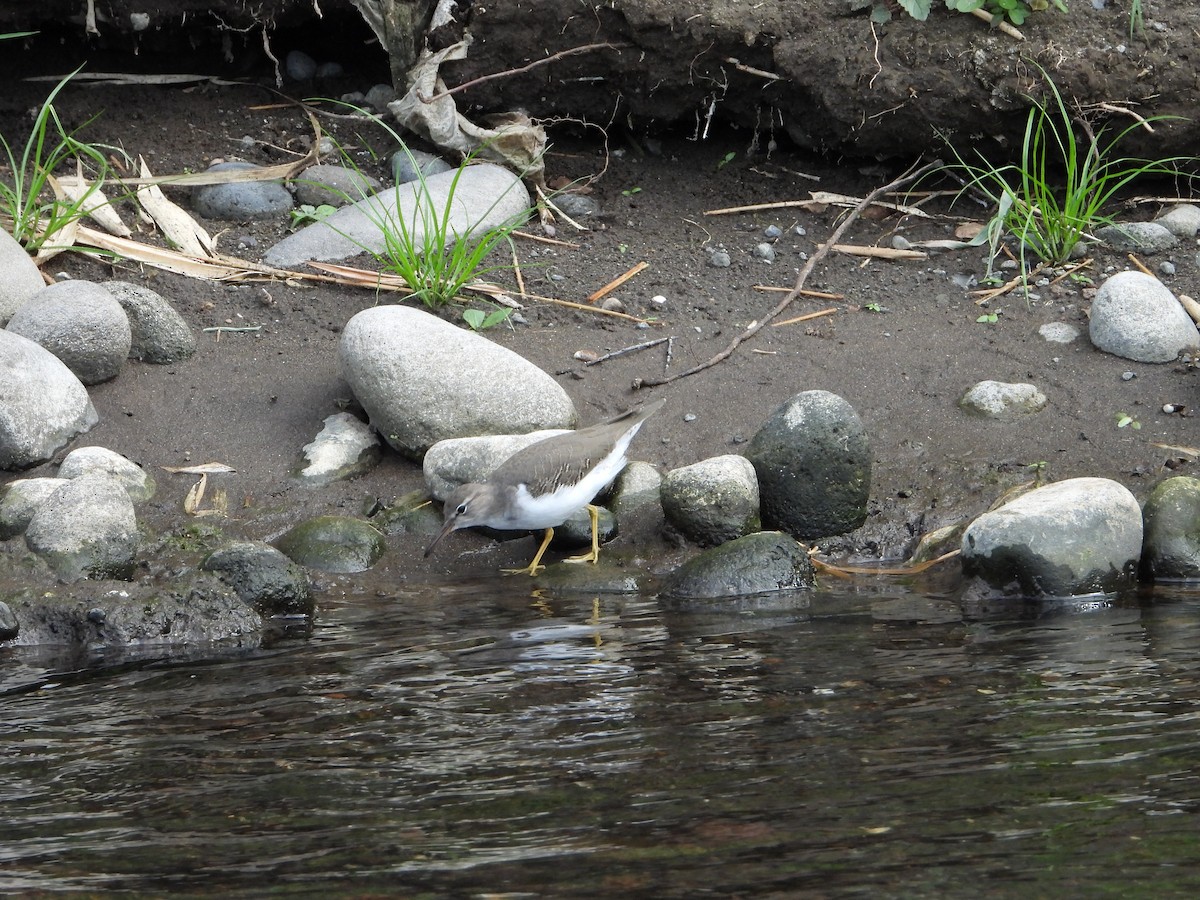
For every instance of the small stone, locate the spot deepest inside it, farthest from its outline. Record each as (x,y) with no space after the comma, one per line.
(300,66)
(772,232)
(612,304)
(765,252)
(1059,332)
(1128,376)
(658,300)
(1166,267)
(900,242)
(327,71)
(719,259)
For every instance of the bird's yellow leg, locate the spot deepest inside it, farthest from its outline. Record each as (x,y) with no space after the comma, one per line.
(533,568)
(594,514)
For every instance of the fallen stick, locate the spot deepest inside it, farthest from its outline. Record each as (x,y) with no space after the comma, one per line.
(820,295)
(993,293)
(616,282)
(804,318)
(821,252)
(645,345)
(879,252)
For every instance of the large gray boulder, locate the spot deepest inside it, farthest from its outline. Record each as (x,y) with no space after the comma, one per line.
(484,197)
(42,404)
(82,324)
(22,278)
(86,529)
(423,380)
(1079,536)
(813,461)
(1171,542)
(1135,316)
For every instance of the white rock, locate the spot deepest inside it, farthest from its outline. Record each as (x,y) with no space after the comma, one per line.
(423,380)
(1000,400)
(139,483)
(1072,537)
(82,324)
(22,279)
(1135,316)
(42,404)
(345,447)
(1059,332)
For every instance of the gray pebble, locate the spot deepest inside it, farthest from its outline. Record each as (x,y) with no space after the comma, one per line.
(1166,267)
(577,206)
(765,252)
(380,95)
(300,66)
(1128,376)
(900,242)
(772,232)
(242,200)
(330,70)
(719,259)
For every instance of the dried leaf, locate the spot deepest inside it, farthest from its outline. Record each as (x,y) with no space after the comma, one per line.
(194,496)
(208,468)
(177,225)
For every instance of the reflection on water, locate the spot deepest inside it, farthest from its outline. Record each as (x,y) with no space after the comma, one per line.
(477,739)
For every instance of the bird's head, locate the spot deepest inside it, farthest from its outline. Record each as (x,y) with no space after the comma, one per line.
(461,510)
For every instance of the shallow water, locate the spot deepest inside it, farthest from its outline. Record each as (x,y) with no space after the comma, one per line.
(482,739)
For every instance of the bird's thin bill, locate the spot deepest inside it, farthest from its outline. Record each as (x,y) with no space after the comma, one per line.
(447,527)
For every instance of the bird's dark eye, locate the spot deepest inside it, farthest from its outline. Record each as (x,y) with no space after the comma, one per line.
(462,508)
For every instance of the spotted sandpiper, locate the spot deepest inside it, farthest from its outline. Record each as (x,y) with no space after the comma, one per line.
(541,485)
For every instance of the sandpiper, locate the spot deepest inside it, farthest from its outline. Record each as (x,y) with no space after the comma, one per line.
(541,485)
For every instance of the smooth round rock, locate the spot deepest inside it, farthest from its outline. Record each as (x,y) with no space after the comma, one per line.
(99,460)
(1079,536)
(329,185)
(422,380)
(1135,316)
(82,324)
(241,201)
(22,278)
(42,404)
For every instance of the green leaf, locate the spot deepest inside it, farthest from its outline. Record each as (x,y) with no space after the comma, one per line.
(918,9)
(474,318)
